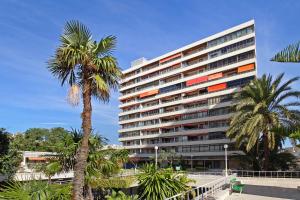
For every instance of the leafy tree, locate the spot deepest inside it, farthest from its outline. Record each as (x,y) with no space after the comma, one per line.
(121,196)
(10,159)
(261,109)
(160,184)
(40,139)
(88,67)
(35,190)
(4,141)
(101,163)
(50,169)
(290,54)
(254,158)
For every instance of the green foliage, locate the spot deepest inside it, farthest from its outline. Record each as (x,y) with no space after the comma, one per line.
(10,162)
(167,157)
(289,54)
(120,196)
(162,183)
(113,182)
(40,139)
(261,110)
(50,169)
(9,158)
(4,141)
(35,190)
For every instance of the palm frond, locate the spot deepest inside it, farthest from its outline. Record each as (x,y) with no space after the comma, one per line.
(290,54)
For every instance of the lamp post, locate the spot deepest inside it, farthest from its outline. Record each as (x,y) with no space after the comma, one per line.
(191,162)
(156,148)
(226,147)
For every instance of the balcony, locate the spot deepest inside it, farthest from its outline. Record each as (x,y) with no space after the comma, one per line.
(211,44)
(219,52)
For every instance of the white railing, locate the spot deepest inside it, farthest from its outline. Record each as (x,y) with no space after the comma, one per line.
(267,174)
(204,191)
(25,176)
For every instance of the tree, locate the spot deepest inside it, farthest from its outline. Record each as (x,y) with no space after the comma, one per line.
(4,141)
(101,163)
(160,184)
(290,54)
(262,108)
(10,158)
(88,67)
(120,196)
(41,139)
(50,169)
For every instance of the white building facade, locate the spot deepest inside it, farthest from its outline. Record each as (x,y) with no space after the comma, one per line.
(181,101)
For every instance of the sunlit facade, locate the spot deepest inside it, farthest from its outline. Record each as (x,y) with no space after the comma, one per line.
(181,101)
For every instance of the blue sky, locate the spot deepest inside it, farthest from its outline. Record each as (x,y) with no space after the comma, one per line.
(29,32)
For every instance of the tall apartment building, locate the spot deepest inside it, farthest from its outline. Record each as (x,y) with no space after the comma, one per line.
(181,101)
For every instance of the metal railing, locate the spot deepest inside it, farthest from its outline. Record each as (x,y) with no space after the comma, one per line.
(204,191)
(267,174)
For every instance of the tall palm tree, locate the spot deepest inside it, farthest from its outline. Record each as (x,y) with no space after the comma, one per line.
(290,54)
(262,108)
(89,67)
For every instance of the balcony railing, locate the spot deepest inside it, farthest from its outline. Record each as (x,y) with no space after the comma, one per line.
(210,44)
(229,50)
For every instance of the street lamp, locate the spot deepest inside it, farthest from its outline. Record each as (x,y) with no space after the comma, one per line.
(191,162)
(226,147)
(156,148)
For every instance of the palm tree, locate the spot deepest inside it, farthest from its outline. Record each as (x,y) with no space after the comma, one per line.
(290,54)
(101,163)
(120,196)
(35,189)
(261,109)
(50,169)
(160,184)
(87,66)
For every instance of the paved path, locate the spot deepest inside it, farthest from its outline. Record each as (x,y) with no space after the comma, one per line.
(268,189)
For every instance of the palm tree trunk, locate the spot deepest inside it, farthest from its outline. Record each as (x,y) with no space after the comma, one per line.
(266,152)
(82,153)
(90,193)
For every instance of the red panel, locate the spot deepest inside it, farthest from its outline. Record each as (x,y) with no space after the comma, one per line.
(170,57)
(197,80)
(217,87)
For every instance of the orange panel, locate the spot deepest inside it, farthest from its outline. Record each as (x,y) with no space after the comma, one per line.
(217,87)
(215,76)
(170,57)
(37,158)
(149,93)
(246,68)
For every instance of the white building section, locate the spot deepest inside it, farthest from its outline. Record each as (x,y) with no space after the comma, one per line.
(181,101)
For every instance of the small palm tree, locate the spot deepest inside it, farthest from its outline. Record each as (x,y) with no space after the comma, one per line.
(160,184)
(261,109)
(290,54)
(50,169)
(89,68)
(35,190)
(120,196)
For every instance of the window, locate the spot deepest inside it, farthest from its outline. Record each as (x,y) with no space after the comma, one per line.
(231,36)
